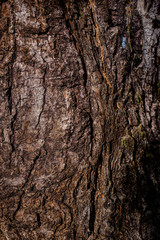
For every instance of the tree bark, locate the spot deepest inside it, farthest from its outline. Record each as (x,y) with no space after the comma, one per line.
(79,113)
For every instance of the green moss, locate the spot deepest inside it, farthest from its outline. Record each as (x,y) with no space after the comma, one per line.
(137,100)
(141,131)
(123,143)
(141,96)
(110,183)
(149,155)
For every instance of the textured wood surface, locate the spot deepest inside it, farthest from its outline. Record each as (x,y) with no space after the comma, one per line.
(79,117)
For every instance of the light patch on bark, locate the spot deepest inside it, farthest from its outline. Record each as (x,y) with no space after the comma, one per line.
(15,181)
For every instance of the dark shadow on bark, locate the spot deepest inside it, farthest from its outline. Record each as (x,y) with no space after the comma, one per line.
(142,191)
(149,190)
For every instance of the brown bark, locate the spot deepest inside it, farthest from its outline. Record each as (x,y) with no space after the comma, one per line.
(79,114)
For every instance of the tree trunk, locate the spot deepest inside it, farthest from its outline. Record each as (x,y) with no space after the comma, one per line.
(79,111)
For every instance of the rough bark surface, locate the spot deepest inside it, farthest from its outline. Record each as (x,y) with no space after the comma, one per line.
(79,115)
